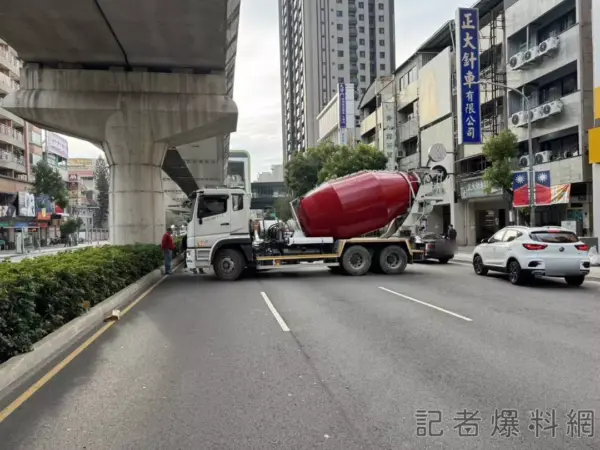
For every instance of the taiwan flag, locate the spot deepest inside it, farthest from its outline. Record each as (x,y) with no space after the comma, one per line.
(520,189)
(543,188)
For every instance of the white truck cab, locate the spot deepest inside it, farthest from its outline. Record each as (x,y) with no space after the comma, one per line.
(220,216)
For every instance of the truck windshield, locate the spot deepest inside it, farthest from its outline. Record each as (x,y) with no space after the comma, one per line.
(555,237)
(211,206)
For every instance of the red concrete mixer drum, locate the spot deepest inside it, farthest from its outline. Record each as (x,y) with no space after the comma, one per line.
(357,204)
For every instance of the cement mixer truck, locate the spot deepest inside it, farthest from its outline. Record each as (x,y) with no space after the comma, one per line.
(330,227)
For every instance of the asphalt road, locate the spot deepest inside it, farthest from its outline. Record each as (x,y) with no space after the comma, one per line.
(202,364)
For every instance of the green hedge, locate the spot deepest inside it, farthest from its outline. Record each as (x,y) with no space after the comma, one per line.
(39,295)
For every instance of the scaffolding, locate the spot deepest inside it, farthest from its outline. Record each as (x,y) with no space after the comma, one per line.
(493,69)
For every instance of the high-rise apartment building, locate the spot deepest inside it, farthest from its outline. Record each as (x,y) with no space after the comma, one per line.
(323,43)
(13,163)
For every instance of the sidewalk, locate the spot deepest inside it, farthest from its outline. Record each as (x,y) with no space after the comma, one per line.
(464,255)
(47,250)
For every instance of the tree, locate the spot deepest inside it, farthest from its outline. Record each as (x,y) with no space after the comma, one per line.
(500,151)
(101,181)
(345,161)
(282,208)
(71,227)
(302,171)
(49,182)
(319,164)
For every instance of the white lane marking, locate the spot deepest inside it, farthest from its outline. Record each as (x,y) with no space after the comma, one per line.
(426,304)
(278,318)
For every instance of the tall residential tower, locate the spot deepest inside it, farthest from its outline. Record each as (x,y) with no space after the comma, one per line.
(323,43)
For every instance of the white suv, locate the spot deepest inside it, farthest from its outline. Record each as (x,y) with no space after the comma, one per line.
(524,252)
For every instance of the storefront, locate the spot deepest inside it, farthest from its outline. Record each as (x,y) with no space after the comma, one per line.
(570,207)
(484,213)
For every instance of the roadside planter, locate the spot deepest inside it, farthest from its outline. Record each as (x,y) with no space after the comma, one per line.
(49,303)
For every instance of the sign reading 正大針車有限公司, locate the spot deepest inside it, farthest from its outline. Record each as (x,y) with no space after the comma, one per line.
(342,100)
(467,68)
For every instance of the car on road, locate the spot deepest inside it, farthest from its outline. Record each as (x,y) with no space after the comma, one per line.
(435,246)
(525,253)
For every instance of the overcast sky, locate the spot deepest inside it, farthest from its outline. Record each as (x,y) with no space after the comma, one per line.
(257,88)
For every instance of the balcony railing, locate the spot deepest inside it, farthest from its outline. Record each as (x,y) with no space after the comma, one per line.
(11,157)
(8,81)
(11,132)
(10,58)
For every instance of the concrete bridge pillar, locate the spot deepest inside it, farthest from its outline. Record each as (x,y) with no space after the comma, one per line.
(134,117)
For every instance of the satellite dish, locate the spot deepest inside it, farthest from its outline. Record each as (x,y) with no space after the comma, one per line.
(437,152)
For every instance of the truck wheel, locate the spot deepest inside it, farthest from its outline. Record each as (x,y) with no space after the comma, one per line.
(356,260)
(393,260)
(229,264)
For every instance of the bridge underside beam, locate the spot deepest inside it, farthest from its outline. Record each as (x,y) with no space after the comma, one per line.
(135,117)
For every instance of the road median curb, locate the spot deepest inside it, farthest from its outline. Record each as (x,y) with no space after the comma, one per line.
(21,366)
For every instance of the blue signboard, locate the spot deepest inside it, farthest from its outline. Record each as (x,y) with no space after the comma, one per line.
(467,63)
(342,101)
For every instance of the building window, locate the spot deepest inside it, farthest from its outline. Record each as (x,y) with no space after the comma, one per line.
(340,67)
(381,19)
(380,6)
(362,66)
(361,41)
(382,54)
(339,2)
(382,31)
(363,78)
(361,29)
(340,40)
(381,66)
(341,80)
(362,54)
(340,26)
(339,13)
(361,17)
(381,42)
(340,53)
(361,4)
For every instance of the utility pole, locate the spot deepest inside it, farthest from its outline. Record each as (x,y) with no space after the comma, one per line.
(531,178)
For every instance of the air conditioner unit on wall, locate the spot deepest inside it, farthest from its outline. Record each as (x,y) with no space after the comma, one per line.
(537,113)
(519,119)
(572,153)
(543,157)
(516,61)
(524,161)
(549,46)
(530,55)
(552,108)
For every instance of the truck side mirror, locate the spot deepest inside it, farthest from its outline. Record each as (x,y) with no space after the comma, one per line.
(200,221)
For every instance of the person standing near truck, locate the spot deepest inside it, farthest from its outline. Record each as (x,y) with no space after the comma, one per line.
(451,236)
(168,246)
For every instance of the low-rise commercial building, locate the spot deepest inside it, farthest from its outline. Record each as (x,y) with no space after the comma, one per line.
(336,123)
(541,48)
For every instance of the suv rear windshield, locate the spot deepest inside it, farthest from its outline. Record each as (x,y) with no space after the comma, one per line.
(556,237)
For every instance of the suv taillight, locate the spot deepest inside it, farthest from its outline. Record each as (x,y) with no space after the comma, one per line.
(582,247)
(535,247)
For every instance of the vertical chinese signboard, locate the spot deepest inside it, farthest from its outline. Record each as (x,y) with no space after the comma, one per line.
(389,133)
(467,75)
(342,105)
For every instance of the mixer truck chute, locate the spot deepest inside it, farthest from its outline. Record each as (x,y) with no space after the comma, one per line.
(329,226)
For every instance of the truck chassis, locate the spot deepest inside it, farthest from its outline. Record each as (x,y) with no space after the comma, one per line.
(355,256)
